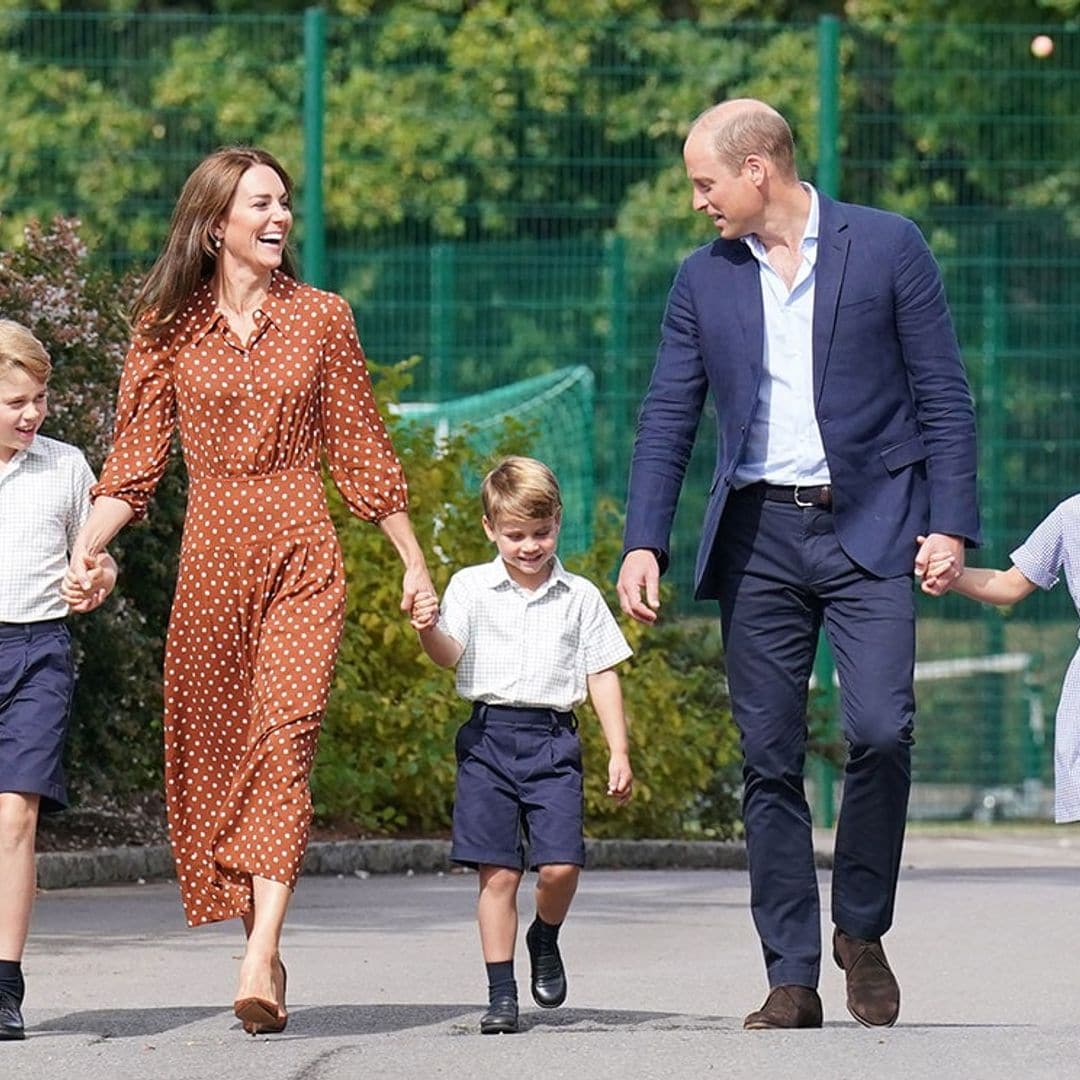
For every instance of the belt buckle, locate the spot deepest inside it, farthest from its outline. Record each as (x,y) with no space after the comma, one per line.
(798,502)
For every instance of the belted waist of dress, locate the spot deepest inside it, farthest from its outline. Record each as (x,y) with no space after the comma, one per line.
(237,511)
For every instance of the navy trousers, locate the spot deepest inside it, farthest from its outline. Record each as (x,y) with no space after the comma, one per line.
(786,576)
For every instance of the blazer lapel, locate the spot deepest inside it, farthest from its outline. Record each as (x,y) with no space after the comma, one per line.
(833,244)
(748,302)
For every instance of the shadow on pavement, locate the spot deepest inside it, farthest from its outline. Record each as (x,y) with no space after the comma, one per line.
(321,1021)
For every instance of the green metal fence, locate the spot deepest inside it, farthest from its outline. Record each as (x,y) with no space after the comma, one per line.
(507,199)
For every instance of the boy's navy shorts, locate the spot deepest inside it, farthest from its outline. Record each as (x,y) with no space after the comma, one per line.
(518,772)
(37,678)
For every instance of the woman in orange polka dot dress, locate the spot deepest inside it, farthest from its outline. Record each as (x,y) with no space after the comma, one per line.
(263,375)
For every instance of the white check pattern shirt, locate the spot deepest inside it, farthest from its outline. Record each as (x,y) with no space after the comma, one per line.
(529,649)
(1051,550)
(44,501)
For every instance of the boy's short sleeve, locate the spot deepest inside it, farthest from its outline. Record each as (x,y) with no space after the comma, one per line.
(1041,556)
(82,480)
(603,641)
(455,611)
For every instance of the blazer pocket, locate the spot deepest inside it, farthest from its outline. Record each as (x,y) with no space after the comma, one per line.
(900,456)
(847,303)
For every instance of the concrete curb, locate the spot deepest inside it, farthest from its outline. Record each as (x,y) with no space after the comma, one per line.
(113,866)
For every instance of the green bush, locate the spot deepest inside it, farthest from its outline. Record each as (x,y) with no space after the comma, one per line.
(386,752)
(115,740)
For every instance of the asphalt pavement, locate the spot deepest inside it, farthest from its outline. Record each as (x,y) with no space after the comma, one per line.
(386,980)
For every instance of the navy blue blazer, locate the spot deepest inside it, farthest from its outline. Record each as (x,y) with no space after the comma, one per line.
(890,393)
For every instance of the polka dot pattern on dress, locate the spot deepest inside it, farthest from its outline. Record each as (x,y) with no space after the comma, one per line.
(260,595)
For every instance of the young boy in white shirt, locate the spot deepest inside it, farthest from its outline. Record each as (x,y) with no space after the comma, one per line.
(529,640)
(44,499)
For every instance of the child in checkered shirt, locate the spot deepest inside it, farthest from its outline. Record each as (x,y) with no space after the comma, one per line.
(44,499)
(529,641)
(1051,552)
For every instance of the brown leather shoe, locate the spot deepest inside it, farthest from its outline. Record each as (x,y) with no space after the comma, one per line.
(873,994)
(787,1007)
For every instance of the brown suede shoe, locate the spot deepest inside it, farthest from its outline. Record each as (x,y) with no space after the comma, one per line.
(787,1007)
(873,994)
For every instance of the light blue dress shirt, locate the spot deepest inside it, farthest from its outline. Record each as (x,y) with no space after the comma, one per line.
(784,446)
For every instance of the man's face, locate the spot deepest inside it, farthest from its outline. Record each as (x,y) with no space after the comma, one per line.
(731,199)
(22,410)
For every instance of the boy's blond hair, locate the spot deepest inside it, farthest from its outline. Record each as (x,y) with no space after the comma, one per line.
(20,349)
(521,488)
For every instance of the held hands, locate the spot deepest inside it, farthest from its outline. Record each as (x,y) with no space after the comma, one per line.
(415,583)
(425,611)
(939,562)
(89,579)
(639,572)
(620,778)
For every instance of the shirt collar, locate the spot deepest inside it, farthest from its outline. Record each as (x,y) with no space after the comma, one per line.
(810,232)
(498,577)
(35,450)
(276,307)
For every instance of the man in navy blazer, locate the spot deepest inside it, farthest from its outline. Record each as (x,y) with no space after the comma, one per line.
(846,465)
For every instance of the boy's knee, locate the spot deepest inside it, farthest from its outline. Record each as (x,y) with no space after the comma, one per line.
(499,879)
(555,874)
(18,817)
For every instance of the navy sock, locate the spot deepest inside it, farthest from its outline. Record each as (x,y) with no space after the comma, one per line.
(546,934)
(11,979)
(501,982)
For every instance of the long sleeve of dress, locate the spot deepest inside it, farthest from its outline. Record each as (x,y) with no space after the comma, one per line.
(145,418)
(358,449)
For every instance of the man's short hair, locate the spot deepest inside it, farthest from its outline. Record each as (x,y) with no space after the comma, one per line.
(758,129)
(20,349)
(521,488)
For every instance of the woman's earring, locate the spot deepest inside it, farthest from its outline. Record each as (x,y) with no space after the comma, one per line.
(216,241)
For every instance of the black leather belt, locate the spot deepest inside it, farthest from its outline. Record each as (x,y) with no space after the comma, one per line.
(818,497)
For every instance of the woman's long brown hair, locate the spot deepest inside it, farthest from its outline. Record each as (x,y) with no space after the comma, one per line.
(189,256)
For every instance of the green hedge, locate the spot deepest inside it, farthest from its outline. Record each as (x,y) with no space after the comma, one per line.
(386,754)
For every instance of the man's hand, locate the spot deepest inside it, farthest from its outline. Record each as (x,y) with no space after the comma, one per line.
(939,562)
(639,572)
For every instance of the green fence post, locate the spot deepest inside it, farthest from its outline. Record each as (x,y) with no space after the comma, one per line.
(442,320)
(314,250)
(992,437)
(828,182)
(617,354)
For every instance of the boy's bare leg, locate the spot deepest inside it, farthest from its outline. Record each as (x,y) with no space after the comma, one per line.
(556,884)
(18,826)
(496,912)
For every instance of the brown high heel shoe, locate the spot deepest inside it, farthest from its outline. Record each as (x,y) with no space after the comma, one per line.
(283,1012)
(262,1017)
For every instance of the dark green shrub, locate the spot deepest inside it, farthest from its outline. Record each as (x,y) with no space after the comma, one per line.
(386,752)
(115,740)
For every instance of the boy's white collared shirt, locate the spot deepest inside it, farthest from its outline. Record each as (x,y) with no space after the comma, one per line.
(531,649)
(44,501)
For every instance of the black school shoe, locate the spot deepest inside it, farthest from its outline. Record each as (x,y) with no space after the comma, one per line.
(501,1017)
(11,1021)
(548,982)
